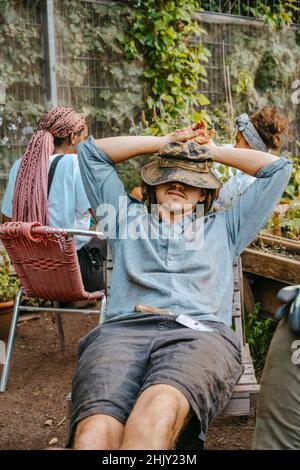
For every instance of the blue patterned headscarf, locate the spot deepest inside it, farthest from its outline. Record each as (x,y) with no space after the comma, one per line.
(250,134)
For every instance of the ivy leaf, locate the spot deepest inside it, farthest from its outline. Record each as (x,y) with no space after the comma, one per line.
(202,100)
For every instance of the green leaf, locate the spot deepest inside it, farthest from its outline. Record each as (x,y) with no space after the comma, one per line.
(202,99)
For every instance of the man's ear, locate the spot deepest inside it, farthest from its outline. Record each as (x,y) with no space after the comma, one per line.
(202,196)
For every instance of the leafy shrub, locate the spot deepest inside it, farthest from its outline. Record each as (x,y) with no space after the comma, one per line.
(9,284)
(259,332)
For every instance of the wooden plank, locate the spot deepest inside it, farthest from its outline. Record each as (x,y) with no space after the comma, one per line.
(237,407)
(240,394)
(247,388)
(239,329)
(272,266)
(249,300)
(246,353)
(247,379)
(248,369)
(236,310)
(273,240)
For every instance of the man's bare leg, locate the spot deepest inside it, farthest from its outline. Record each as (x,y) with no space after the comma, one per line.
(156,419)
(98,432)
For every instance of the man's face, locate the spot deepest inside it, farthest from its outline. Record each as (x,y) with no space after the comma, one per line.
(177,197)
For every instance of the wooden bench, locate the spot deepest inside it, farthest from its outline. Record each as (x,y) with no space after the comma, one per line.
(240,403)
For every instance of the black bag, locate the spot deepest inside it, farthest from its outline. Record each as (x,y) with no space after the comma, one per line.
(91,260)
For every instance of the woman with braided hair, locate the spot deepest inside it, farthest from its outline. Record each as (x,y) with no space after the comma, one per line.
(35,193)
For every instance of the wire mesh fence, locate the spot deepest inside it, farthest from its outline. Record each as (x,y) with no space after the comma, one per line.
(243,8)
(89,80)
(23,81)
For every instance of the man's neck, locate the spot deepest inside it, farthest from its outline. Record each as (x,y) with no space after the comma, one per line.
(171,217)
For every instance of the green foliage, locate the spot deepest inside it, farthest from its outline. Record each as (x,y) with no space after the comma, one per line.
(290,222)
(91,37)
(9,284)
(285,221)
(258,77)
(22,73)
(165,36)
(259,332)
(292,191)
(278,15)
(234,8)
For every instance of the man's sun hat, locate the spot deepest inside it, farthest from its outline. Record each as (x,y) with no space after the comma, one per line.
(186,162)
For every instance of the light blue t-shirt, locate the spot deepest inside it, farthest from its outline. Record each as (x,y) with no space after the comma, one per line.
(232,189)
(68,204)
(159,270)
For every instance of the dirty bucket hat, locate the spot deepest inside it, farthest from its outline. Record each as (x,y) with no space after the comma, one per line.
(187,162)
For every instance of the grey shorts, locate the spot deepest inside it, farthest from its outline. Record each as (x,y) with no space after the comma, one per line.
(118,360)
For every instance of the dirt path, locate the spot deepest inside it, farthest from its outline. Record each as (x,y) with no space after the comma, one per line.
(34,403)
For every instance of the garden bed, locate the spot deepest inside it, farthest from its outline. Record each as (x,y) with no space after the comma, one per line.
(273,257)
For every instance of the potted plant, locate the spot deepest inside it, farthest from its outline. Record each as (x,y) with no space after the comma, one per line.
(9,285)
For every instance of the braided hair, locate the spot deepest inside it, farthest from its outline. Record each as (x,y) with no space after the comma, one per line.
(30,202)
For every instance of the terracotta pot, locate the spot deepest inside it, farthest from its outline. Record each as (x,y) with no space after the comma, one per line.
(6,310)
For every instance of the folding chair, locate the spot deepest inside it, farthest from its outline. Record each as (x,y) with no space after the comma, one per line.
(46,262)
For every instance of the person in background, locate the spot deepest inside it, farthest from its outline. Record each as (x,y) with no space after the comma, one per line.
(278,408)
(45,185)
(260,131)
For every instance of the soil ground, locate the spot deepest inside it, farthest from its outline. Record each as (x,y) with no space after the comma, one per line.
(33,409)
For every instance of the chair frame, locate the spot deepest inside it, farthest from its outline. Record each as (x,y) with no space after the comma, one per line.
(56,309)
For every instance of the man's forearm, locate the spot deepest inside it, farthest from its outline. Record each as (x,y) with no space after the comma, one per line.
(124,147)
(246,160)
(121,148)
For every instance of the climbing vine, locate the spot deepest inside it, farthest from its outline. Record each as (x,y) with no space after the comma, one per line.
(91,62)
(166,37)
(278,15)
(21,75)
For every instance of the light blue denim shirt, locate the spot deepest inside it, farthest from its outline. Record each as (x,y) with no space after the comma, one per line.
(159,270)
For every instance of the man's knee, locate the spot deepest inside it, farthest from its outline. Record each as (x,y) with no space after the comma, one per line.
(164,406)
(98,432)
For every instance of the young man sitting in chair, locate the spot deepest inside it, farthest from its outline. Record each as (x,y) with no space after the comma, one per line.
(149,375)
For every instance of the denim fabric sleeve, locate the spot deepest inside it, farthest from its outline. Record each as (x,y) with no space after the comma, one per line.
(255,206)
(102,184)
(82,203)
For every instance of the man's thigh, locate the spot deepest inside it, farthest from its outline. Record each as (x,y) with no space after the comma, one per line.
(203,366)
(109,374)
(278,411)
